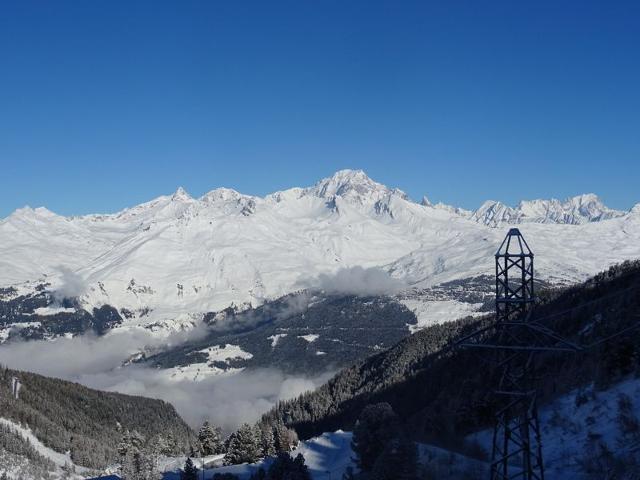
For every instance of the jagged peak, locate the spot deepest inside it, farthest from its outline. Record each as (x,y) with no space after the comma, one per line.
(353,185)
(425,202)
(487,204)
(344,181)
(181,195)
(222,194)
(573,210)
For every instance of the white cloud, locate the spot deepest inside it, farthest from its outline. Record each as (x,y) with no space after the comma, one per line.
(358,281)
(97,362)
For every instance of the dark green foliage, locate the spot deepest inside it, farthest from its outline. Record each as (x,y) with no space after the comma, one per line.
(377,425)
(244,446)
(67,416)
(284,467)
(397,461)
(189,472)
(442,391)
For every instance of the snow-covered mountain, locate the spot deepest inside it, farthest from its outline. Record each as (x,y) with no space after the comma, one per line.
(176,257)
(572,211)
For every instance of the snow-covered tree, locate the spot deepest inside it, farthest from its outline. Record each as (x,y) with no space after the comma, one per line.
(267,441)
(136,461)
(377,425)
(172,444)
(210,439)
(284,439)
(244,446)
(190,471)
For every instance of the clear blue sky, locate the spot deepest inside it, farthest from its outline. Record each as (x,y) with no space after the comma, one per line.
(104,104)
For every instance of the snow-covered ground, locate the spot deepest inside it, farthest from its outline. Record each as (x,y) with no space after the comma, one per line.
(575,423)
(177,255)
(327,457)
(432,312)
(570,425)
(59,459)
(203,370)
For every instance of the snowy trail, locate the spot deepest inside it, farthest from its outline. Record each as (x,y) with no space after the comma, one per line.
(60,459)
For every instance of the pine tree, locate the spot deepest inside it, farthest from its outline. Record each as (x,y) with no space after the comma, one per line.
(284,439)
(243,447)
(398,461)
(210,439)
(137,462)
(376,427)
(267,440)
(172,444)
(286,467)
(190,471)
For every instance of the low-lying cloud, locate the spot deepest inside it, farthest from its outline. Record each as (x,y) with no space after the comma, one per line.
(280,309)
(71,284)
(358,281)
(97,362)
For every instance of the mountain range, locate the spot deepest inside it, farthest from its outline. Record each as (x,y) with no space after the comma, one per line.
(173,259)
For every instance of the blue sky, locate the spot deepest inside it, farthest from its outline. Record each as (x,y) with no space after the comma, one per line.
(104,104)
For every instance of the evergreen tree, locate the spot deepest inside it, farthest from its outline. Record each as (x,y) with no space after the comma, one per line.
(189,472)
(376,427)
(244,446)
(284,439)
(398,461)
(137,462)
(210,439)
(287,468)
(267,440)
(172,444)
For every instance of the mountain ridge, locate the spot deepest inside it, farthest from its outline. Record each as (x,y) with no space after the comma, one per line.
(356,185)
(172,259)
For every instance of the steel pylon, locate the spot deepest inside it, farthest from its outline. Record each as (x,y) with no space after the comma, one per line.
(515,340)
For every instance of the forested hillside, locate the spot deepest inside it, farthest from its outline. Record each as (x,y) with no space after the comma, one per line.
(301,333)
(442,389)
(88,423)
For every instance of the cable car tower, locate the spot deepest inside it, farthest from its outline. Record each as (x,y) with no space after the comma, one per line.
(516,339)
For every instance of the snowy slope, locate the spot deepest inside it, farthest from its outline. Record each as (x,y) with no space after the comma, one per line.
(576,426)
(327,457)
(571,427)
(60,460)
(178,256)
